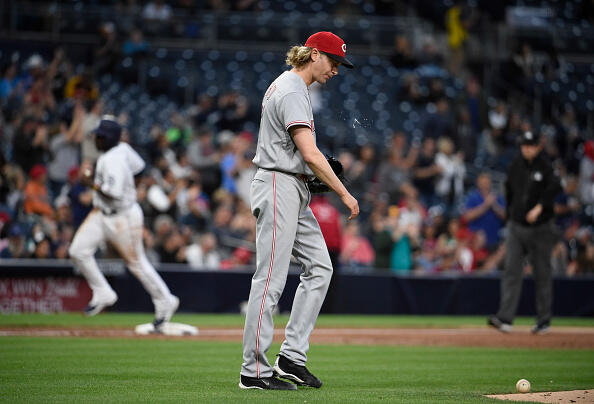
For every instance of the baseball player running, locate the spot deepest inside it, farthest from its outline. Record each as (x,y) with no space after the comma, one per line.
(117,218)
(286,156)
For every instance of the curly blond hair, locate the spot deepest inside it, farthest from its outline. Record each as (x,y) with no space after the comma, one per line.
(298,56)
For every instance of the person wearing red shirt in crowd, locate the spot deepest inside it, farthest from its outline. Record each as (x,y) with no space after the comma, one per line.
(36,193)
(330,222)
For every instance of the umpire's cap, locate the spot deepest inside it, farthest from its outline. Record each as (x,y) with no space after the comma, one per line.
(331,44)
(530,138)
(110,130)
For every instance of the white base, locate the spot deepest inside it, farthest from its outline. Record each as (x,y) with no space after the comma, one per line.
(174,329)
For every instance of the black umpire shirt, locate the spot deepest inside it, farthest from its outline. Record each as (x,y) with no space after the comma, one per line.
(530,183)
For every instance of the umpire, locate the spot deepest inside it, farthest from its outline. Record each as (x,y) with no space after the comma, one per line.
(531,187)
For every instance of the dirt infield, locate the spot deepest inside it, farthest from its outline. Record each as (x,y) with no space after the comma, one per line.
(561,397)
(559,337)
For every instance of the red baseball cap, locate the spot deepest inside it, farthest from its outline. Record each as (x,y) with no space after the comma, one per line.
(332,45)
(37,171)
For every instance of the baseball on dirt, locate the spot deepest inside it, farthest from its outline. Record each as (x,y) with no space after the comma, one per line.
(523,386)
(87,172)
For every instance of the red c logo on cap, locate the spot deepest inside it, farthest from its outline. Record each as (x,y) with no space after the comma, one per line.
(344,47)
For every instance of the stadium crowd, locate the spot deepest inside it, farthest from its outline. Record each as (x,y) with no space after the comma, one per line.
(429,203)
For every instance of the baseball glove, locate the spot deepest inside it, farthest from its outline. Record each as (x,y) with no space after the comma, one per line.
(316,186)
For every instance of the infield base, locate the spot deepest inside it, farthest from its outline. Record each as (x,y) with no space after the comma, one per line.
(172,329)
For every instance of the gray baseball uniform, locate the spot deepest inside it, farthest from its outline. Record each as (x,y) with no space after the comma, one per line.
(285,225)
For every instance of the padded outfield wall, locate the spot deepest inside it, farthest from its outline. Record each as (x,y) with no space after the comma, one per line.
(54,286)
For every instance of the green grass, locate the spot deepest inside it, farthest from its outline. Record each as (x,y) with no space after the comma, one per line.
(236,320)
(93,370)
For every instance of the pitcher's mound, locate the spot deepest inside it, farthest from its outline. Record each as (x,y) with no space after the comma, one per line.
(573,396)
(173,329)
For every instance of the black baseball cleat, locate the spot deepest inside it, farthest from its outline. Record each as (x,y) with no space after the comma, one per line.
(264,383)
(541,328)
(502,326)
(286,369)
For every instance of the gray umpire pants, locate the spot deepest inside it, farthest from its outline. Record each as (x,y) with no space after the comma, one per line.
(536,243)
(285,225)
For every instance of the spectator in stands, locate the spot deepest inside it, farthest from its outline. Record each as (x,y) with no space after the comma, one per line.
(80,196)
(402,55)
(450,183)
(234,148)
(11,88)
(16,184)
(406,237)
(426,172)
(430,54)
(567,203)
(201,150)
(243,222)
(519,70)
(203,254)
(4,185)
(42,247)
(240,257)
(36,194)
(427,259)
(474,101)
(59,72)
(583,253)
(440,124)
(30,143)
(234,110)
(586,179)
(157,17)
(128,13)
(221,227)
(91,121)
(331,225)
(396,170)
(197,210)
(204,111)
(484,210)
(181,168)
(34,67)
(356,251)
(410,89)
(436,91)
(496,140)
(136,46)
(82,87)
(382,226)
(361,175)
(15,246)
(459,19)
(179,133)
(246,170)
(64,148)
(108,54)
(172,249)
(39,95)
(466,139)
(453,246)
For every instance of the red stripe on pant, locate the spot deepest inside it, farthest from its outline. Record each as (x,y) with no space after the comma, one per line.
(268,279)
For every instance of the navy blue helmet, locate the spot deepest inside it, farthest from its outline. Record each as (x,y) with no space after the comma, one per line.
(108,133)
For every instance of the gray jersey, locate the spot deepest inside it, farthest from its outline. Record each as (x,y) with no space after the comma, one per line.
(286,103)
(115,176)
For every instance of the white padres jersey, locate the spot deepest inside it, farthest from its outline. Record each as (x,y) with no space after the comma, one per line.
(286,103)
(114,175)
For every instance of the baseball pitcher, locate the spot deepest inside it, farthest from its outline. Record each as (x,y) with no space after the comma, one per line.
(287,157)
(116,217)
